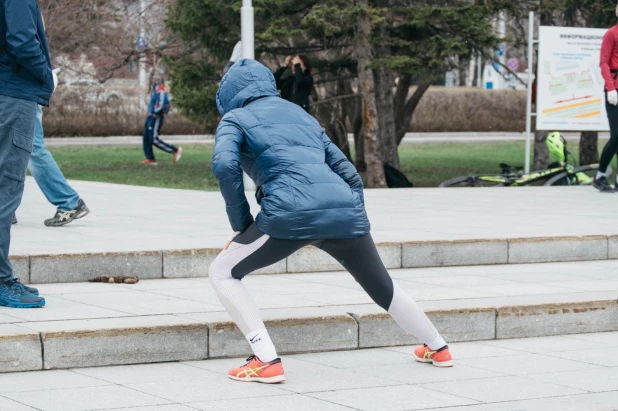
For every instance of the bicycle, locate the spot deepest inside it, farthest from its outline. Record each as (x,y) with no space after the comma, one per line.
(559,173)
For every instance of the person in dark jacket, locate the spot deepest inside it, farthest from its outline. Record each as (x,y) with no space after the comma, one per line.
(309,194)
(294,80)
(25,80)
(157,109)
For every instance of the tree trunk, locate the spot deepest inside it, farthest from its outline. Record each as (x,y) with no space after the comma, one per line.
(589,147)
(384,80)
(362,52)
(404,107)
(541,154)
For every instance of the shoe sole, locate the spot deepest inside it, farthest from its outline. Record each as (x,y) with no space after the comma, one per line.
(442,364)
(31,305)
(59,224)
(268,380)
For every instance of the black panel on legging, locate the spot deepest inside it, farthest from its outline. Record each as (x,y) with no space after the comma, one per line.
(360,257)
(357,255)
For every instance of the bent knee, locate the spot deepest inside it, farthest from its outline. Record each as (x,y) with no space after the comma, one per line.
(219,270)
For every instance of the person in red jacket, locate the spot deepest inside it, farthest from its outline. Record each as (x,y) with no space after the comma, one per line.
(609,70)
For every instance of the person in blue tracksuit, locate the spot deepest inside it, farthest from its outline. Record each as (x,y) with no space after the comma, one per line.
(26,80)
(157,109)
(309,194)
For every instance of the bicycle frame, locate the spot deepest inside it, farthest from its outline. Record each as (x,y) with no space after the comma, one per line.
(525,179)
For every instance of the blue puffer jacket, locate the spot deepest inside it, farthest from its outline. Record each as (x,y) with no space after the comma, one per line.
(25,68)
(307,187)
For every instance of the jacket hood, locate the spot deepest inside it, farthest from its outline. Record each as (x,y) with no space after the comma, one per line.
(246,81)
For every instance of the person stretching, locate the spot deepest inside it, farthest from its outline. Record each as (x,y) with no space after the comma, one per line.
(309,194)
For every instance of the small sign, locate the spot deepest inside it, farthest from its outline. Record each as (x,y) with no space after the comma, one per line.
(513,64)
(500,51)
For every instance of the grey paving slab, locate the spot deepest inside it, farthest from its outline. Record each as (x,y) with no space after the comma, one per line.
(590,402)
(594,380)
(538,250)
(46,380)
(86,343)
(541,345)
(58,308)
(417,373)
(62,268)
(402,397)
(138,373)
(20,349)
(141,303)
(357,358)
(82,399)
(607,338)
(598,356)
(10,405)
(501,389)
(172,407)
(294,402)
(456,252)
(542,320)
(216,388)
(525,364)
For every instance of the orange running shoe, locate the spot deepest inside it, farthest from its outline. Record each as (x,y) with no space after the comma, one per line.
(258,371)
(149,161)
(439,358)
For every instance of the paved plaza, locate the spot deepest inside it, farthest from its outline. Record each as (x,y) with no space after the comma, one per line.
(130,218)
(565,373)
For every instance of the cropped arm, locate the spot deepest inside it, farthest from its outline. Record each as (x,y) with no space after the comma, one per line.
(226,168)
(22,41)
(338,162)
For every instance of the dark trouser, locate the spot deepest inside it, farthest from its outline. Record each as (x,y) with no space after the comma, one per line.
(358,256)
(150,137)
(17,119)
(611,148)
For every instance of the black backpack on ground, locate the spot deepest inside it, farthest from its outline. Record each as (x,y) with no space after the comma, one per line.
(395,178)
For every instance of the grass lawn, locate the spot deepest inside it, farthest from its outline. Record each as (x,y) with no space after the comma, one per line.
(425,164)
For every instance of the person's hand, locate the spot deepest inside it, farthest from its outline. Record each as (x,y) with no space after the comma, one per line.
(55,77)
(296,60)
(612,97)
(230,239)
(288,59)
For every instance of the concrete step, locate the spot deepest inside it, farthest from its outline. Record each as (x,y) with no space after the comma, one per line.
(89,324)
(79,267)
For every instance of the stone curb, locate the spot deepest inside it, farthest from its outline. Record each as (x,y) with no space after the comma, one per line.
(134,340)
(61,268)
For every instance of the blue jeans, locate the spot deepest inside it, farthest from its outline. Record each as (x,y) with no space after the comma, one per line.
(17,118)
(46,173)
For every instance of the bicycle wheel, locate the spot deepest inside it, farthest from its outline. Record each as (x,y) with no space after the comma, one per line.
(580,176)
(472,181)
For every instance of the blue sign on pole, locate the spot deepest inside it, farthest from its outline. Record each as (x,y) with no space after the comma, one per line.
(500,51)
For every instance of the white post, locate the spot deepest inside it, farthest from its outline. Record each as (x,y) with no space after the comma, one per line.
(248,52)
(479,72)
(529,100)
(247,30)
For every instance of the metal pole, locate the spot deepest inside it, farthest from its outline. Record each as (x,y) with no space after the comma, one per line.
(247,30)
(529,100)
(479,72)
(248,52)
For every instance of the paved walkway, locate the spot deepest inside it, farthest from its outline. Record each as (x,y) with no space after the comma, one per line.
(464,137)
(576,372)
(130,218)
(435,288)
